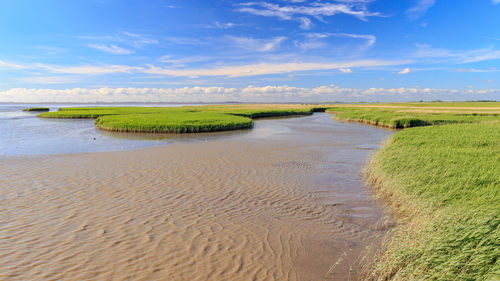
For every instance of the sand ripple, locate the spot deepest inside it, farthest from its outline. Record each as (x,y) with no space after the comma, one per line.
(221,210)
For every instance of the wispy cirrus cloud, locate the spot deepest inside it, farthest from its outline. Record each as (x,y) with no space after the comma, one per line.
(300,11)
(85,69)
(220,25)
(183,61)
(317,40)
(11,65)
(475,70)
(420,9)
(48,80)
(241,70)
(255,69)
(138,40)
(370,39)
(111,49)
(110,43)
(425,51)
(260,45)
(61,69)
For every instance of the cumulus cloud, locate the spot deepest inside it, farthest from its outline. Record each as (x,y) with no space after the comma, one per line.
(284,93)
(405,71)
(345,70)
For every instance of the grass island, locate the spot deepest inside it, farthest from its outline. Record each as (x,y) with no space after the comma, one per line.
(189,119)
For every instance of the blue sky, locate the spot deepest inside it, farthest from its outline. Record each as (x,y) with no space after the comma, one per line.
(281,50)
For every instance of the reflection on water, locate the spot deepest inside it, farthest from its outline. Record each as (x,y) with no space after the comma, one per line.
(22,133)
(174,137)
(283,201)
(25,134)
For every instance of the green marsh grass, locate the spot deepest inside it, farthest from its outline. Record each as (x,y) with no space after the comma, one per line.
(36,109)
(189,119)
(406,118)
(443,182)
(185,122)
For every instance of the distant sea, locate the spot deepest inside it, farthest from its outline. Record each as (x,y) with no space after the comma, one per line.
(22,133)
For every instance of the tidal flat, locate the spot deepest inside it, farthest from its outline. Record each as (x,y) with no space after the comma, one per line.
(283,201)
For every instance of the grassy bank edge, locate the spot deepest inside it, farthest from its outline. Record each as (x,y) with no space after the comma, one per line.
(37,109)
(418,217)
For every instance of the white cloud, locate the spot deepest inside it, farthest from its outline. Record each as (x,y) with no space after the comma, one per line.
(345,70)
(220,25)
(138,40)
(301,11)
(243,70)
(475,70)
(317,40)
(420,9)
(370,39)
(405,71)
(305,23)
(495,1)
(109,44)
(86,69)
(248,94)
(425,51)
(112,49)
(48,80)
(260,45)
(181,62)
(267,68)
(10,65)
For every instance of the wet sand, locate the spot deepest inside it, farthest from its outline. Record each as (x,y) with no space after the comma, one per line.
(283,202)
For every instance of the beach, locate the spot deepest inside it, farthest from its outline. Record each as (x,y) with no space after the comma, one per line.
(284,201)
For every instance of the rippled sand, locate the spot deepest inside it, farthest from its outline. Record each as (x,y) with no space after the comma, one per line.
(284,202)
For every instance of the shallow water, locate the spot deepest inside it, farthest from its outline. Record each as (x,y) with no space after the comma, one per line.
(283,201)
(22,133)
